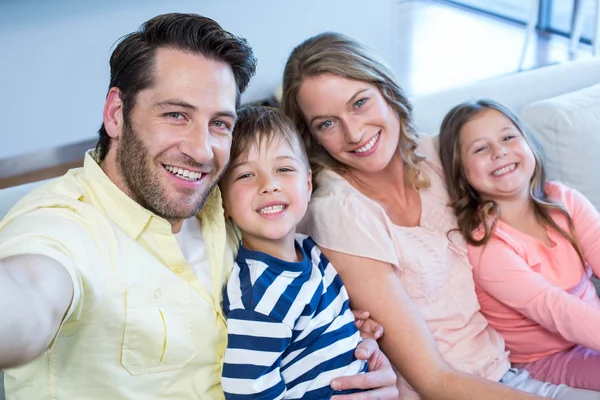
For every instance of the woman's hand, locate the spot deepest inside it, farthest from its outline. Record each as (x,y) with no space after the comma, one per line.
(379,381)
(368,327)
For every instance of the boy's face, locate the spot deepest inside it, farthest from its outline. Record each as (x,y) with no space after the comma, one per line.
(267,194)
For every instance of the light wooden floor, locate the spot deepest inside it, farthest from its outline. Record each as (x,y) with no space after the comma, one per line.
(440,45)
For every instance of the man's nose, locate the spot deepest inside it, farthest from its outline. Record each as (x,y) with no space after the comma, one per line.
(197,144)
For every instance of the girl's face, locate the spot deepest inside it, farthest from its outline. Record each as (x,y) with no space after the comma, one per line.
(351,120)
(496,159)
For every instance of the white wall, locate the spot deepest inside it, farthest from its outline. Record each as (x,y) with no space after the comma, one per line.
(54,53)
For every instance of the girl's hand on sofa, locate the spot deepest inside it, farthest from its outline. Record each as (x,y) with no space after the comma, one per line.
(368,327)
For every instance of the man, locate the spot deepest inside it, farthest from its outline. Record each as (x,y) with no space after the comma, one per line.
(111,276)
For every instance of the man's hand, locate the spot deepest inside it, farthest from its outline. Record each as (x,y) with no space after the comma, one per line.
(35,293)
(379,381)
(369,328)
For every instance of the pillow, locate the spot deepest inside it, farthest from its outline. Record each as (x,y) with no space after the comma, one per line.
(568,129)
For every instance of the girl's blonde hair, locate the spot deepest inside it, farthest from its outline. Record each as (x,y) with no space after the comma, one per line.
(471,210)
(335,53)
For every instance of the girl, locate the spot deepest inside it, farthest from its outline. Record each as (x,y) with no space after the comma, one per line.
(533,244)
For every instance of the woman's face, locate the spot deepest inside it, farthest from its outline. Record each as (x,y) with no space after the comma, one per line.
(351,120)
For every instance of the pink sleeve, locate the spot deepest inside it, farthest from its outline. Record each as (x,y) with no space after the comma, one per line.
(587,225)
(351,225)
(504,275)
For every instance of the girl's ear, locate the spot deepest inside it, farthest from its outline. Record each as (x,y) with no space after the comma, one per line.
(309,183)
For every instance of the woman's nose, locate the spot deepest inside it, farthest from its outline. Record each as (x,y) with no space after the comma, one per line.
(354,132)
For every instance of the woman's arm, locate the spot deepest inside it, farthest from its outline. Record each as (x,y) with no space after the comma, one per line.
(379,382)
(374,286)
(505,276)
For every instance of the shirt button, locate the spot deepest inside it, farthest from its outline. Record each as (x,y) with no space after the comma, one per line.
(178,270)
(157,294)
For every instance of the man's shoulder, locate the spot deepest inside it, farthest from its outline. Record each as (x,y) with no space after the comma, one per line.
(57,196)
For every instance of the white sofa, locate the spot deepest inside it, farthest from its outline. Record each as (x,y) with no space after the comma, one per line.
(531,93)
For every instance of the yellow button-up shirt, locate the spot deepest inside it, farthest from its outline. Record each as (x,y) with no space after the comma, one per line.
(141,325)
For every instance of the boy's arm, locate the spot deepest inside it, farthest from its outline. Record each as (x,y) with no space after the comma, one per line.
(251,366)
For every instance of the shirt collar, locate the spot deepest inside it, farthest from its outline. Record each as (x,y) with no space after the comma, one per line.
(129,215)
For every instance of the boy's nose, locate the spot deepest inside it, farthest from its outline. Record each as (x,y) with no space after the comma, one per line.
(270,185)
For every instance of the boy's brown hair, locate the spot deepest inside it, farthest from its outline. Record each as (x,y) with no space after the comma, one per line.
(255,124)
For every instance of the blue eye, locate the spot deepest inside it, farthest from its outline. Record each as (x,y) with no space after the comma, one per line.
(360,103)
(509,137)
(285,169)
(325,125)
(244,176)
(480,149)
(174,115)
(221,124)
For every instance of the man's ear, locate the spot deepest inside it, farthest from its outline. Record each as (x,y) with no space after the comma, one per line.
(113,113)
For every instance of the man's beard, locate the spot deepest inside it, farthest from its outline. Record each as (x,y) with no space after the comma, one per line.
(134,165)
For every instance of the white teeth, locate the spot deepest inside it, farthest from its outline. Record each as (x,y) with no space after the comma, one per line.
(369,145)
(271,209)
(505,170)
(183,173)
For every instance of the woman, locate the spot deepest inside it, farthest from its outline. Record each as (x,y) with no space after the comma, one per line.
(380,214)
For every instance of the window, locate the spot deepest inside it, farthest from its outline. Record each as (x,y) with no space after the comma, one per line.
(555,15)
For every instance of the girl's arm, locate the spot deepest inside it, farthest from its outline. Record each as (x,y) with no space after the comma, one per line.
(374,286)
(587,226)
(504,275)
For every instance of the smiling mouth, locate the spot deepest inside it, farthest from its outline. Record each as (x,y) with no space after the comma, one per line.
(505,170)
(184,173)
(369,145)
(271,209)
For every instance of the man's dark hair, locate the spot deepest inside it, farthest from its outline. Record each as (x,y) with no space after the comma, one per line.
(132,62)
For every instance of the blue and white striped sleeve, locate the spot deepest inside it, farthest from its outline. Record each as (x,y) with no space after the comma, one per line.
(251,367)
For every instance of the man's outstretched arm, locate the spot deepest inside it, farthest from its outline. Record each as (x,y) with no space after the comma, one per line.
(35,294)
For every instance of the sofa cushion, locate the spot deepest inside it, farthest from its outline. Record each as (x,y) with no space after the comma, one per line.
(568,130)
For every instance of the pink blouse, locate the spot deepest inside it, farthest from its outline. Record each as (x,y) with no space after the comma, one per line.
(541,298)
(435,270)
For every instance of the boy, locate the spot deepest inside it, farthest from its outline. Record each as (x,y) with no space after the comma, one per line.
(290,328)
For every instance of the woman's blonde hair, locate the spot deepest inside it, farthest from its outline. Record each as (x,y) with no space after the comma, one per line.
(471,210)
(335,53)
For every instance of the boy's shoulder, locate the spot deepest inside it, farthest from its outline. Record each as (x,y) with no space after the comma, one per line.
(311,248)
(305,241)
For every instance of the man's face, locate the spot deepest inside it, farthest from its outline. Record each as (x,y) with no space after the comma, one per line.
(175,144)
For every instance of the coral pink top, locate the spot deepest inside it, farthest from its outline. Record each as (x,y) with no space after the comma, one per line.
(434,269)
(541,298)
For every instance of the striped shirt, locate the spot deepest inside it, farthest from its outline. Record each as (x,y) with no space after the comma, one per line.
(290,328)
